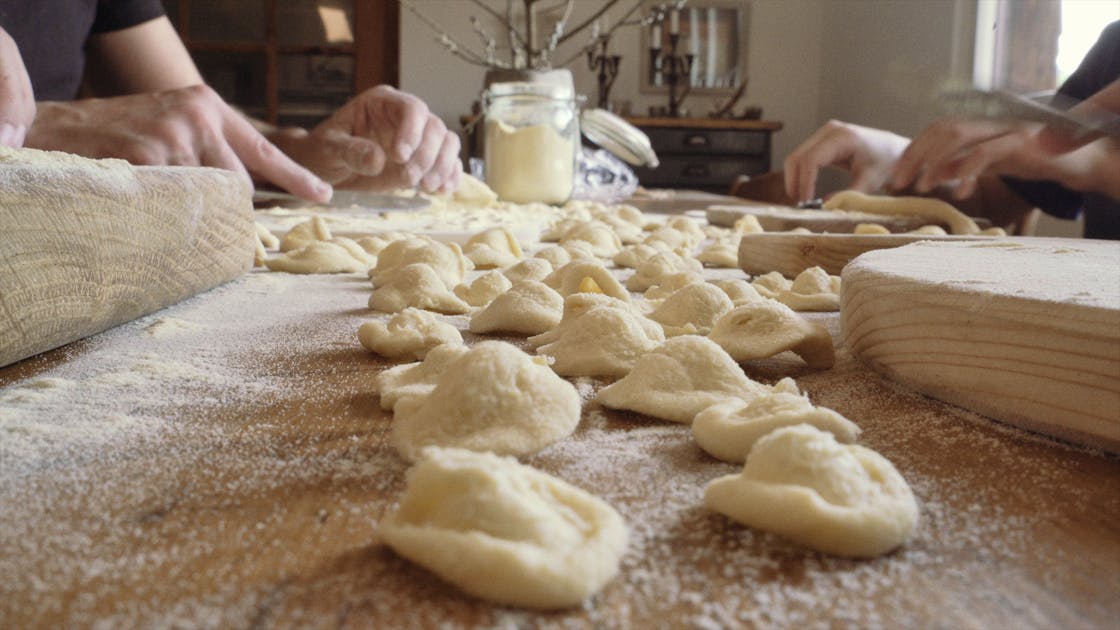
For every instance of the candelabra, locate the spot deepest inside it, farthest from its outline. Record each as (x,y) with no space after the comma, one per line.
(673,68)
(606,67)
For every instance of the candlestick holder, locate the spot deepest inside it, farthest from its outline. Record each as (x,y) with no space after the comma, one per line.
(673,68)
(606,68)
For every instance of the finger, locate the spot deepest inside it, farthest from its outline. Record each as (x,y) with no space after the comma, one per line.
(221,155)
(263,158)
(360,155)
(833,149)
(398,120)
(447,162)
(796,187)
(423,160)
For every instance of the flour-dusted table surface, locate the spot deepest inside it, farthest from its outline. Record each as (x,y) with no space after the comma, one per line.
(223,463)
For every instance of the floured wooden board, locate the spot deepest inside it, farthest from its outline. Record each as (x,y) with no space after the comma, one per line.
(89,244)
(783,219)
(1024,332)
(792,253)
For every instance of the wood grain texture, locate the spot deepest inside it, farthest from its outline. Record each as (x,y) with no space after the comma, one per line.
(90,244)
(790,254)
(1027,332)
(782,219)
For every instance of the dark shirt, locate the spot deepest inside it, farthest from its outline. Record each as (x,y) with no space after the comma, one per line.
(52,34)
(1102,214)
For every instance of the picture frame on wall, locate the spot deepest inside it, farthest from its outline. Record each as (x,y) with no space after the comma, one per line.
(716,33)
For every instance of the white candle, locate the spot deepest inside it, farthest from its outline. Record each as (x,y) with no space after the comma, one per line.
(674,22)
(655,37)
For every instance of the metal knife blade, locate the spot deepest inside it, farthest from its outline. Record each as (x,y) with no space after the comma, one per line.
(1003,105)
(352,200)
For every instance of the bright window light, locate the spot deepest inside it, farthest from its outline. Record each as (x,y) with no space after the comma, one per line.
(1082,23)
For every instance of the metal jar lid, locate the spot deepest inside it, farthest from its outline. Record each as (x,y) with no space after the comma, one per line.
(618,136)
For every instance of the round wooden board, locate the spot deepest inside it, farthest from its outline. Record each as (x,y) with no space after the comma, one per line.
(790,254)
(1027,332)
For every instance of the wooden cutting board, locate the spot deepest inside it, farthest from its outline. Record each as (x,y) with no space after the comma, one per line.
(89,244)
(783,219)
(792,253)
(1027,333)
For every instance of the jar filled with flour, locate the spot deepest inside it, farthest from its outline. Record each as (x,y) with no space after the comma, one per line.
(531,141)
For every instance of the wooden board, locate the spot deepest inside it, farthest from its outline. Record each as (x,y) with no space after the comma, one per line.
(90,244)
(790,254)
(1025,333)
(249,497)
(783,219)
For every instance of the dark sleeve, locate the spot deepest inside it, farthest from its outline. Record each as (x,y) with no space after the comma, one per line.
(115,15)
(1099,68)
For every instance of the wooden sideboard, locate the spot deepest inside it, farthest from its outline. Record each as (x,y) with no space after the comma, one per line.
(705,153)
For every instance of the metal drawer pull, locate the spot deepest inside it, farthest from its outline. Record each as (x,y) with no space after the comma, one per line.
(697,140)
(696,170)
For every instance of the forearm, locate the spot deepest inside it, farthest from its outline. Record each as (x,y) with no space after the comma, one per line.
(148,57)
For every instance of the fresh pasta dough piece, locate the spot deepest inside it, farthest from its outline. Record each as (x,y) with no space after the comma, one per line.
(410,333)
(601,239)
(740,291)
(671,283)
(313,229)
(484,288)
(692,309)
(529,308)
(800,483)
(496,247)
(535,269)
(727,430)
(375,243)
(505,532)
(580,250)
(494,397)
(672,238)
(316,257)
(771,284)
(633,255)
(555,255)
(567,279)
(474,192)
(446,259)
(265,237)
(747,224)
(601,341)
(260,255)
(721,254)
(679,379)
(994,231)
(416,379)
(662,264)
(932,230)
(356,251)
(929,207)
(687,226)
(556,232)
(870,228)
(757,330)
(416,285)
(812,290)
(575,305)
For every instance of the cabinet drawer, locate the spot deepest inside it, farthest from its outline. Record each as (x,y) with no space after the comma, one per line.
(683,171)
(709,141)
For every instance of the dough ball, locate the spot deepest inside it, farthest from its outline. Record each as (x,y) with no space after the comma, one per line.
(800,483)
(410,333)
(316,257)
(571,278)
(416,379)
(446,259)
(653,270)
(601,239)
(313,229)
(505,532)
(534,269)
(418,286)
(812,290)
(529,308)
(679,379)
(484,288)
(555,255)
(692,309)
(757,330)
(603,340)
(727,430)
(494,398)
(496,247)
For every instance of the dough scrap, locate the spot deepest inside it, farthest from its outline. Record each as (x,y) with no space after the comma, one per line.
(929,207)
(757,330)
(603,340)
(496,247)
(446,259)
(416,379)
(661,264)
(727,430)
(529,308)
(313,229)
(567,279)
(800,483)
(601,239)
(494,397)
(410,333)
(679,379)
(316,257)
(419,286)
(484,288)
(812,290)
(694,306)
(535,269)
(505,532)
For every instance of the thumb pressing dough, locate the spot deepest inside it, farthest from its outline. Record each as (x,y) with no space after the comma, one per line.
(494,398)
(692,309)
(505,532)
(679,379)
(757,330)
(529,308)
(800,483)
(727,430)
(418,286)
(601,341)
(416,379)
(412,332)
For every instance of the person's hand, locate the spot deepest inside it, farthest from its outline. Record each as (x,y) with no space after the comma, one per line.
(1105,102)
(190,126)
(380,139)
(17,101)
(869,154)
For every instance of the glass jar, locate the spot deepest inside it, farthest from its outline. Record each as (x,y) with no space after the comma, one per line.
(531,141)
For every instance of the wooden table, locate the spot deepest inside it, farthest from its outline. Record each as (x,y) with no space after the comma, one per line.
(223,463)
